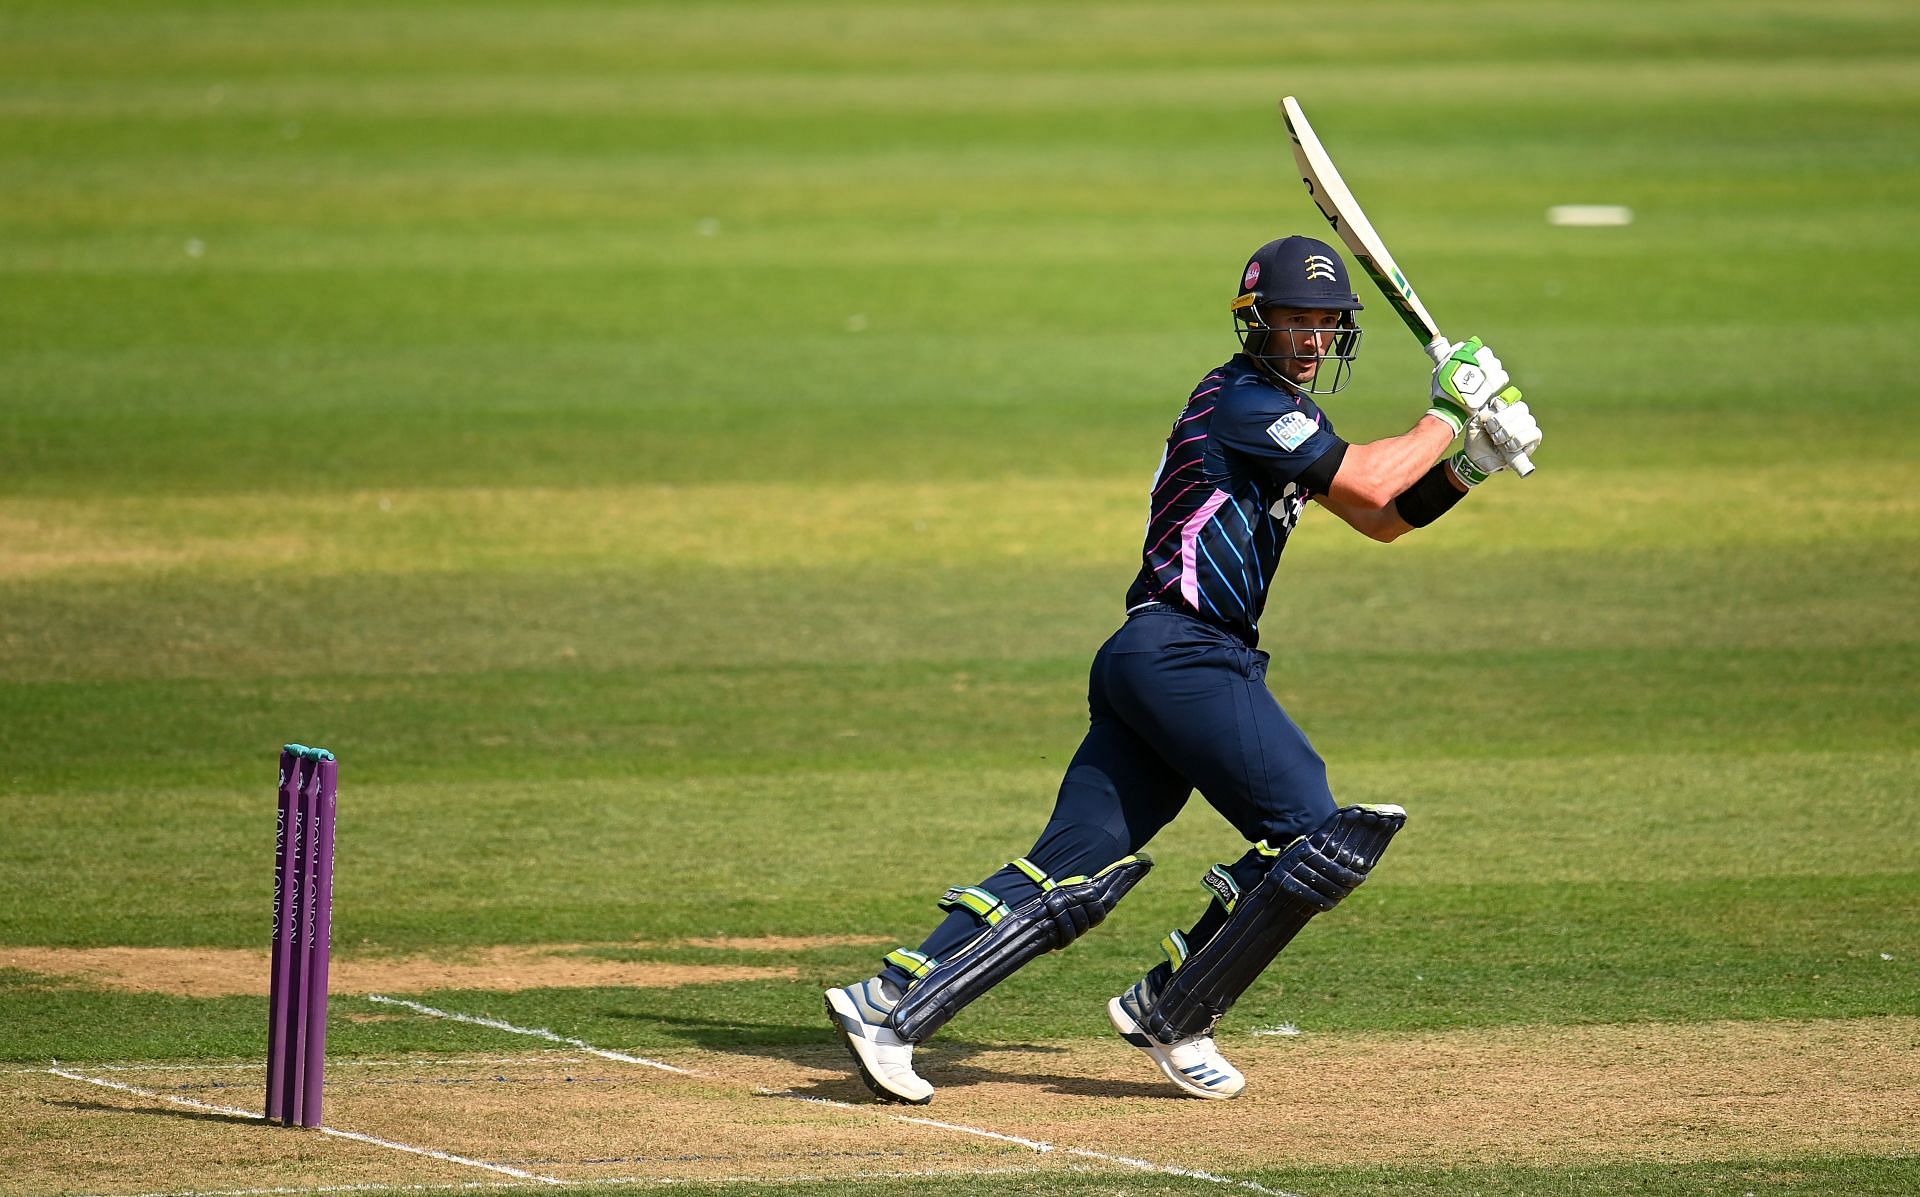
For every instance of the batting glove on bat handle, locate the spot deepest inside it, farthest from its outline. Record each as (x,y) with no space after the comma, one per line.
(1442,351)
(1465,381)
(1515,454)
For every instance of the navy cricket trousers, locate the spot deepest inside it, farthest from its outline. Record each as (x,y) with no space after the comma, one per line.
(1176,705)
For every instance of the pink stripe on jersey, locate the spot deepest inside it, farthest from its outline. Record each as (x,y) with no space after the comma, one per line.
(1188,441)
(1169,506)
(1196,415)
(1177,471)
(1189,538)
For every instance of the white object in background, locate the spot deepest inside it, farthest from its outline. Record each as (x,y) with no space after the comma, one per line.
(1588,215)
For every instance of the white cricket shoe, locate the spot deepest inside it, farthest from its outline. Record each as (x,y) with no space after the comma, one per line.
(1193,1063)
(859,1012)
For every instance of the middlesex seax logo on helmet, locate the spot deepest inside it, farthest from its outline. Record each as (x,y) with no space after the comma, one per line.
(1296,274)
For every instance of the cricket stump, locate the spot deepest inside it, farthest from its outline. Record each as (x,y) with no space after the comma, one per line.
(302,936)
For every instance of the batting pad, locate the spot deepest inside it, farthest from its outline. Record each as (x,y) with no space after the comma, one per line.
(1061,913)
(1312,874)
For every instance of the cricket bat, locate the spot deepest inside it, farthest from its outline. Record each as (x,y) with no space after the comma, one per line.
(1336,203)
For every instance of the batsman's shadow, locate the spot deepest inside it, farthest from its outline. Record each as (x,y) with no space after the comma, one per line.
(956,1070)
(977,1068)
(810,1044)
(721,1034)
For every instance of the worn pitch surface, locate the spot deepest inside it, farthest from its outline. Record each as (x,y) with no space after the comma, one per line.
(1534,1096)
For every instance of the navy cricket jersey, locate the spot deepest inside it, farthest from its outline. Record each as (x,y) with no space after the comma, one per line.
(1227,495)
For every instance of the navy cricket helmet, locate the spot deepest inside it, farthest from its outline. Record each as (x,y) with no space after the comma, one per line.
(1297,272)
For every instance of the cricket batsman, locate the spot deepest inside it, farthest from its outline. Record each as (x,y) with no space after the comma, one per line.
(1178,696)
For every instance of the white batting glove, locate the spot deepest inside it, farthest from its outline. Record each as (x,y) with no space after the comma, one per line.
(1466,381)
(1495,437)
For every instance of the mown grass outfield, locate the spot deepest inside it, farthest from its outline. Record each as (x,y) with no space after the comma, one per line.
(683,456)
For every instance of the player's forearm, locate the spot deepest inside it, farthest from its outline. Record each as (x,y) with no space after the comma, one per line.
(1374,474)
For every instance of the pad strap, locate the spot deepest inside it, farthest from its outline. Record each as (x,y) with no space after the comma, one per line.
(1222,886)
(1175,946)
(981,902)
(1311,875)
(1038,875)
(1062,912)
(919,964)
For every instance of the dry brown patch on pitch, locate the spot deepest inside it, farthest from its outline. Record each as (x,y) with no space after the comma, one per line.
(599,1119)
(1519,1095)
(551,966)
(566,1117)
(222,972)
(62,1136)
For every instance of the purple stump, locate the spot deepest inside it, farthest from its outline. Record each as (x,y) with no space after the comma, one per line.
(305,801)
(320,941)
(279,987)
(303,936)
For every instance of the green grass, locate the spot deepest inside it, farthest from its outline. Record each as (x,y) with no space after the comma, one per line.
(657,445)
(1811,1177)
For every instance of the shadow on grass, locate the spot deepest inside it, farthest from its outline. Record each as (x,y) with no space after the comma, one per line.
(947,1063)
(945,1075)
(164,1111)
(732,1035)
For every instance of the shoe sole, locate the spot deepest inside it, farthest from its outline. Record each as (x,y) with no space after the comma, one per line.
(1132,1032)
(834,1016)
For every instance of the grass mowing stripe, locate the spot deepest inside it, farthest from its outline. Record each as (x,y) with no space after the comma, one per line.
(331,1131)
(1831,595)
(796,525)
(656,725)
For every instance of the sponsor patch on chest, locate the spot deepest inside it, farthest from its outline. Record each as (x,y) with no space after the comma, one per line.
(1292,430)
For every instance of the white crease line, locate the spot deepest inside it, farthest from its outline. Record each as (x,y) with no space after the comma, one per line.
(1175,1170)
(536,1032)
(334,1131)
(605,1182)
(1031,1144)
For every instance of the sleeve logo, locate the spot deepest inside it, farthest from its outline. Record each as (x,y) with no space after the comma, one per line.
(1292,430)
